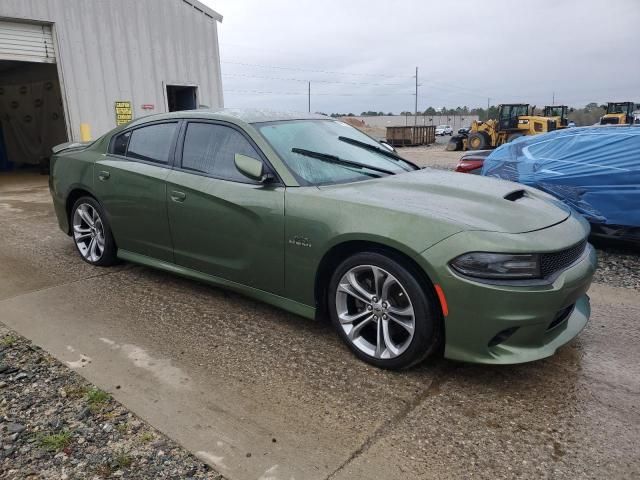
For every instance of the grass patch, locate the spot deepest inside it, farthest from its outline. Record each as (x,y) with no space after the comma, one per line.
(9,340)
(146,437)
(122,459)
(97,398)
(122,428)
(55,442)
(76,391)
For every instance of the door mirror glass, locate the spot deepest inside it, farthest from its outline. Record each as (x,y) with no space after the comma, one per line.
(250,167)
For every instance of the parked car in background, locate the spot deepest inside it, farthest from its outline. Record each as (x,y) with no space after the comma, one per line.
(594,170)
(311,215)
(472,162)
(444,130)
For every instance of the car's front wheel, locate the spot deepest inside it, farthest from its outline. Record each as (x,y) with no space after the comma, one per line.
(382,312)
(91,233)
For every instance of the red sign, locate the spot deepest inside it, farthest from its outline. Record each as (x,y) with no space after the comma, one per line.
(148,106)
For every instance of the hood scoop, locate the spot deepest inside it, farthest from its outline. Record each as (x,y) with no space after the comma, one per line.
(515,195)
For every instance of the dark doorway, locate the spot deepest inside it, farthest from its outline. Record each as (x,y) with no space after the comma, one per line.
(31,115)
(180,97)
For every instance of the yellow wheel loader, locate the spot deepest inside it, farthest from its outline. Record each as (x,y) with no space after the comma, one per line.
(513,121)
(558,113)
(620,113)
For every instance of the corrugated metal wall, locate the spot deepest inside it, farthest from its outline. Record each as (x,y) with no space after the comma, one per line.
(111,50)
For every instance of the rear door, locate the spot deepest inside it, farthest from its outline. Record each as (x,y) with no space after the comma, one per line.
(222,223)
(130,182)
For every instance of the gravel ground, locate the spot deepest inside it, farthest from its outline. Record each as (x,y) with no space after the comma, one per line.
(55,425)
(618,266)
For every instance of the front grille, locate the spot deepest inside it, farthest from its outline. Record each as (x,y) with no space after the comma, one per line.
(551,263)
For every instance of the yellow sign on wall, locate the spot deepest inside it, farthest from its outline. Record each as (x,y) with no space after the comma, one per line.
(124,112)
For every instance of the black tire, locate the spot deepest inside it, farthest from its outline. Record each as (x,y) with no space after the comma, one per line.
(513,136)
(477,141)
(455,143)
(426,310)
(101,229)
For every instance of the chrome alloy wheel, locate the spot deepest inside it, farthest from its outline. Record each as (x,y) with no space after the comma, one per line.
(375,311)
(88,232)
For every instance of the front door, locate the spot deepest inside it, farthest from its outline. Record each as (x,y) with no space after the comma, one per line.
(222,223)
(130,182)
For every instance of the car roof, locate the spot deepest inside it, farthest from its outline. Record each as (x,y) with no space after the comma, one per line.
(243,115)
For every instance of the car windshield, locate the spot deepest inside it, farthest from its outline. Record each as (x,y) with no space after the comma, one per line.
(442,126)
(306,145)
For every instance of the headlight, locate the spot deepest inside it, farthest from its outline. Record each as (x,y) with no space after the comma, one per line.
(498,265)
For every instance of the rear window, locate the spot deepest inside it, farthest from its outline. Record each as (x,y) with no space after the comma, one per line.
(150,144)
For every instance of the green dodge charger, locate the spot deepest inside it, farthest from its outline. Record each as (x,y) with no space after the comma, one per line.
(311,215)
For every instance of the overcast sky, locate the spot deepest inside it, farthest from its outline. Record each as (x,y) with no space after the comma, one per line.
(466,51)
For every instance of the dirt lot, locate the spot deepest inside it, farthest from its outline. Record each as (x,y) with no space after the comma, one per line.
(260,393)
(434,156)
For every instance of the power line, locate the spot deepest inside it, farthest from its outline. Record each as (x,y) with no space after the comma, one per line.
(260,92)
(243,75)
(298,69)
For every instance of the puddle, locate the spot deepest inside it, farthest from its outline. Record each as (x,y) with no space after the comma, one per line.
(211,459)
(270,474)
(82,362)
(161,368)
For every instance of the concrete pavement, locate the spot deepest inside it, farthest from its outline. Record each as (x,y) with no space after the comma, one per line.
(260,393)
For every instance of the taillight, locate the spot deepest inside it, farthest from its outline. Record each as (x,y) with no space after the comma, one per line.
(466,166)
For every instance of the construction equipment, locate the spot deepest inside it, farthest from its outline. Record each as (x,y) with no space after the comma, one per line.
(513,121)
(558,113)
(619,113)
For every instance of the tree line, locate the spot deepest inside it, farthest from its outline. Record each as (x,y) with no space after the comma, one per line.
(587,115)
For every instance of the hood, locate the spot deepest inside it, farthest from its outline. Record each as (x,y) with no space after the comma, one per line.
(474,203)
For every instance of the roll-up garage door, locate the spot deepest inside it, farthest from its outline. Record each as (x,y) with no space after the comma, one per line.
(26,42)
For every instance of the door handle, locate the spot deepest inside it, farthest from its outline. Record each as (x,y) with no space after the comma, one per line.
(178,196)
(104,175)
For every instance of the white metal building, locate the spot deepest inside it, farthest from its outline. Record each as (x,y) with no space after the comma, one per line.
(71,70)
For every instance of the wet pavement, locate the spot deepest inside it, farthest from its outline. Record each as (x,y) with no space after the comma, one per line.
(260,393)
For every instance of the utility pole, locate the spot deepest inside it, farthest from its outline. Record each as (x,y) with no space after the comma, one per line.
(553,102)
(309,96)
(415,114)
(488,101)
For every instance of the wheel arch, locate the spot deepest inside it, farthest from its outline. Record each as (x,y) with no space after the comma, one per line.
(339,252)
(72,197)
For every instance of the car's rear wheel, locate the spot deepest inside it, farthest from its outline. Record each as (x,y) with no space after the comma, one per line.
(382,312)
(91,233)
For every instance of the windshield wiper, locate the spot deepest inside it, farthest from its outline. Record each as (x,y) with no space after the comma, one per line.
(373,148)
(339,161)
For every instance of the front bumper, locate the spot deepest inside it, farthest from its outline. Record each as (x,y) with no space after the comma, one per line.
(506,324)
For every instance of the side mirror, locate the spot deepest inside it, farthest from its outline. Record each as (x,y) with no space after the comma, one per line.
(251,168)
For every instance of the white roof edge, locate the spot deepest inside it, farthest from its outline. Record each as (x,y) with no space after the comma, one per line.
(200,6)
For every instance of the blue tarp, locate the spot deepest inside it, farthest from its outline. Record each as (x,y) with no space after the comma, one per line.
(595,170)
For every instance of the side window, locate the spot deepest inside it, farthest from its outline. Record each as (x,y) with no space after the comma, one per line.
(152,143)
(211,149)
(119,144)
